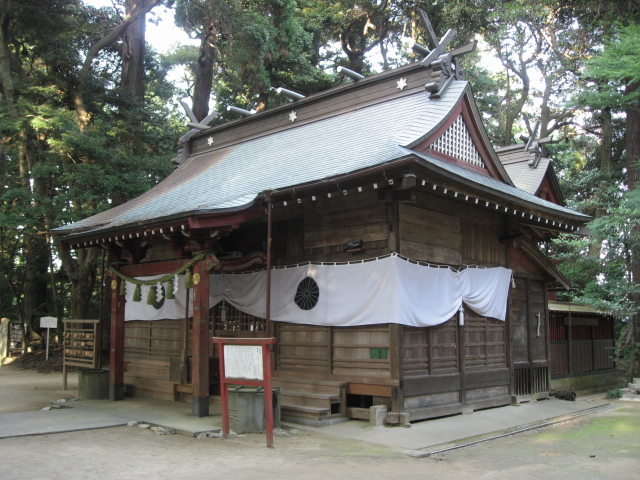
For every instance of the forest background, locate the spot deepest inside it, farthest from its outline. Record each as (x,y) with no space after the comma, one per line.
(89,117)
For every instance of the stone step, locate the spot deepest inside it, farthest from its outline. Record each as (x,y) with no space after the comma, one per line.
(630,397)
(311,416)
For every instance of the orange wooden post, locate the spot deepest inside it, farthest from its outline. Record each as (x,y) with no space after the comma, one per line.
(200,374)
(116,357)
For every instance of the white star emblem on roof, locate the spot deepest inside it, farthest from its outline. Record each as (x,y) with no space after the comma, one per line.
(210,141)
(402,84)
(292,116)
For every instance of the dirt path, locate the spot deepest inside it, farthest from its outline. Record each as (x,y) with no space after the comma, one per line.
(602,446)
(24,391)
(605,445)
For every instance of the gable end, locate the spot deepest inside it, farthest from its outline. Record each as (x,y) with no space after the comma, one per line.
(460,141)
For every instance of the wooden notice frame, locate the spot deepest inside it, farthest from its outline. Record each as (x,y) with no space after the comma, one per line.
(81,345)
(253,369)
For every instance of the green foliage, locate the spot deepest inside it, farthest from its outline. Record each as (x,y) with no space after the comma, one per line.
(58,167)
(613,70)
(614,393)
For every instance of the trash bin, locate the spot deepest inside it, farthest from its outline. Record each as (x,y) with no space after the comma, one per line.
(93,384)
(246,409)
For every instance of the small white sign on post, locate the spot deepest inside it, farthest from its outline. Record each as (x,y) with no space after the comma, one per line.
(48,323)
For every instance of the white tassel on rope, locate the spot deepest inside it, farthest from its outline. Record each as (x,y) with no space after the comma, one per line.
(461,315)
(175,285)
(159,295)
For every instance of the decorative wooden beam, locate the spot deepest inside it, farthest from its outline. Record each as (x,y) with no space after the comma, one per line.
(240,111)
(288,93)
(184,152)
(345,72)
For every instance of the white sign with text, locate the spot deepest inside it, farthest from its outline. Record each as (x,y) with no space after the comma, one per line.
(243,361)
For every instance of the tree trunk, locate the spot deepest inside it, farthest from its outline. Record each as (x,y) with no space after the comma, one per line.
(204,73)
(82,275)
(516,109)
(133,51)
(34,288)
(632,144)
(607,141)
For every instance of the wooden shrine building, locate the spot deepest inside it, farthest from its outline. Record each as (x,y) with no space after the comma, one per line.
(581,338)
(412,276)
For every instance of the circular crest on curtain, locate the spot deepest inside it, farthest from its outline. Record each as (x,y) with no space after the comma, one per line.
(307,294)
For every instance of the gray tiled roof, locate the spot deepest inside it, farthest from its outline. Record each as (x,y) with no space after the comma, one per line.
(507,192)
(231,177)
(516,159)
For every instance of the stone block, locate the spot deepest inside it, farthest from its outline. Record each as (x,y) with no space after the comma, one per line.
(377,415)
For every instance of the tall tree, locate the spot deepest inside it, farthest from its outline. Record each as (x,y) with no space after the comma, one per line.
(617,72)
(63,131)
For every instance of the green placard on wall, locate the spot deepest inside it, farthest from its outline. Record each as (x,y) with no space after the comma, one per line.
(378,353)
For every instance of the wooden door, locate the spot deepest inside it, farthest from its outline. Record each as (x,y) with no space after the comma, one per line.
(529,331)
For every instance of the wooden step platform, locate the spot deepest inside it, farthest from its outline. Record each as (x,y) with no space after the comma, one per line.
(312,402)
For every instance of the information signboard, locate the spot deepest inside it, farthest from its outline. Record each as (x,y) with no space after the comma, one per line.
(243,361)
(48,322)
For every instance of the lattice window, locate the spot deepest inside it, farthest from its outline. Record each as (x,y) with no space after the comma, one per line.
(457,143)
(227,318)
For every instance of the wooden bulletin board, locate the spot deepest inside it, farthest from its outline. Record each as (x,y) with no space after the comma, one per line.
(81,345)
(246,361)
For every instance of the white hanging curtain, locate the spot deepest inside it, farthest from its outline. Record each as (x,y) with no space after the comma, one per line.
(386,290)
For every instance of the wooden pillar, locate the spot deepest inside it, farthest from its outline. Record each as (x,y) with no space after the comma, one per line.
(201,341)
(396,354)
(462,361)
(268,295)
(116,360)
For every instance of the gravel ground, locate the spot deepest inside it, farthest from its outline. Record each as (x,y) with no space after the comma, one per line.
(604,445)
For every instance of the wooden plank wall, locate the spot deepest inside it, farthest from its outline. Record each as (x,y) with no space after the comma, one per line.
(319,231)
(352,351)
(303,348)
(430,236)
(443,231)
(485,343)
(518,319)
(430,350)
(148,349)
(332,350)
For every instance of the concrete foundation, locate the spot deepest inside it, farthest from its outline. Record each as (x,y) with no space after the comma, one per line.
(93,385)
(595,383)
(377,415)
(246,409)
